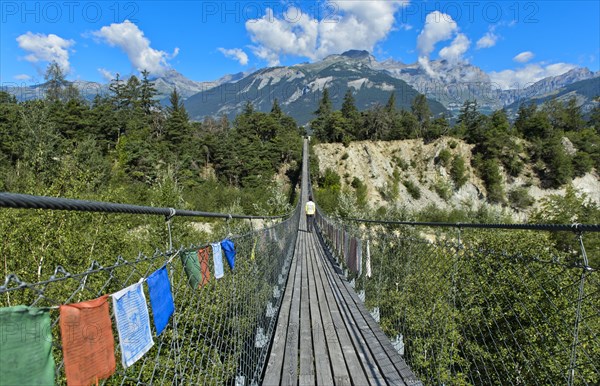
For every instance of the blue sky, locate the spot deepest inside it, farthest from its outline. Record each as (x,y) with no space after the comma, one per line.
(516,42)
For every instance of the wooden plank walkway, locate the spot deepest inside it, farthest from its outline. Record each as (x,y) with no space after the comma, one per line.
(324,334)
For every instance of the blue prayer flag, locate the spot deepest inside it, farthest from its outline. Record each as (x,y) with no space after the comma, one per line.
(161,298)
(133,323)
(229,249)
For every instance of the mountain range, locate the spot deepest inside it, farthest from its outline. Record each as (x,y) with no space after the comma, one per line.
(298,88)
(447,86)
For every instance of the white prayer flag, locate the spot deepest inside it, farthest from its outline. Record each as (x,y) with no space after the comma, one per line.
(133,323)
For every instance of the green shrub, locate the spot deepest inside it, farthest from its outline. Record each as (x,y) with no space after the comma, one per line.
(443,188)
(514,166)
(360,189)
(444,157)
(582,163)
(520,198)
(412,189)
(458,171)
(400,162)
(490,173)
(331,179)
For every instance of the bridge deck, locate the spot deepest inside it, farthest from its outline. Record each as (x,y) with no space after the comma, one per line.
(324,334)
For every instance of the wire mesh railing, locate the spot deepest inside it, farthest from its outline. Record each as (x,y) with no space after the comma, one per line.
(221,329)
(475,306)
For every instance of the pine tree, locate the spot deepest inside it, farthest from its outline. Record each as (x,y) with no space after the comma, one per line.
(524,114)
(103,122)
(323,112)
(469,122)
(147,94)
(117,88)
(420,108)
(248,109)
(276,110)
(177,125)
(390,106)
(132,93)
(351,114)
(11,132)
(325,106)
(349,110)
(55,83)
(564,116)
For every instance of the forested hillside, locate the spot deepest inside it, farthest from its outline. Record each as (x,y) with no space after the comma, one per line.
(481,169)
(545,147)
(122,145)
(125,148)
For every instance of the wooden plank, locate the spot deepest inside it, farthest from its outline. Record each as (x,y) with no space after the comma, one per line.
(347,354)
(274,366)
(289,375)
(358,341)
(307,363)
(340,373)
(392,365)
(395,358)
(322,361)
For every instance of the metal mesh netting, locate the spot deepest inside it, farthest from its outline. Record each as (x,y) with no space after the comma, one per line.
(219,334)
(482,306)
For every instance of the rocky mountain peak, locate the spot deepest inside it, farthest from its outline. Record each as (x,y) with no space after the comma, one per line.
(357,54)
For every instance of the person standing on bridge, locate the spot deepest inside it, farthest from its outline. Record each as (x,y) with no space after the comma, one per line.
(310,210)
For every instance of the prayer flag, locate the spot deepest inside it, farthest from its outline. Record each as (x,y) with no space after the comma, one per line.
(192,268)
(161,298)
(218,260)
(133,323)
(229,249)
(87,340)
(26,346)
(359,255)
(368,262)
(203,257)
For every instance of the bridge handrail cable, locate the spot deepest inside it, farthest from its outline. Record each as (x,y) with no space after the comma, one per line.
(26,201)
(540,227)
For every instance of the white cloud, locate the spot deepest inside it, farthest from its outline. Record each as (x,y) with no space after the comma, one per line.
(132,41)
(46,48)
(106,74)
(458,47)
(236,54)
(526,76)
(488,40)
(24,77)
(356,25)
(524,57)
(424,62)
(266,54)
(438,27)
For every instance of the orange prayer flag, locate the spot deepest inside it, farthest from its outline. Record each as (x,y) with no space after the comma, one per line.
(203,256)
(88,342)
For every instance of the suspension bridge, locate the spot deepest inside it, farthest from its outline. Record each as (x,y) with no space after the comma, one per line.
(354,302)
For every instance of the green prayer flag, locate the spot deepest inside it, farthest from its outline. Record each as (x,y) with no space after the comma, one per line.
(192,268)
(26,346)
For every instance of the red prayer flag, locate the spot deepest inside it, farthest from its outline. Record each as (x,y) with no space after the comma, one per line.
(88,342)
(203,256)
